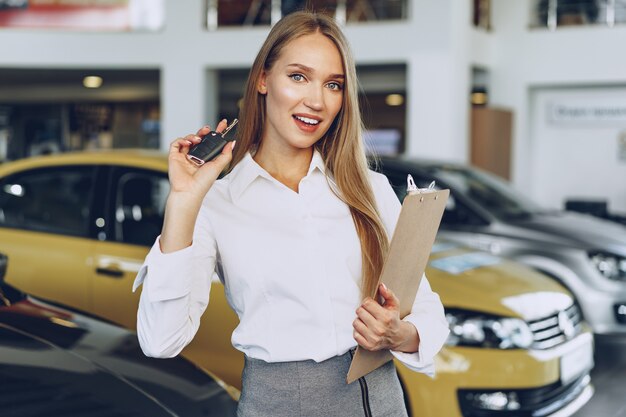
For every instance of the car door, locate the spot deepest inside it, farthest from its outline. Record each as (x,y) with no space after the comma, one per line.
(45,229)
(133,216)
(134,219)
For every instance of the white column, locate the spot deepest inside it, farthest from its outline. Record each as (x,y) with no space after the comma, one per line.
(182,73)
(431,112)
(438,81)
(212,113)
(182,100)
(509,85)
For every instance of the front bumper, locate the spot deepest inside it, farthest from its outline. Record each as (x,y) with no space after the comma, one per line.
(546,401)
(537,383)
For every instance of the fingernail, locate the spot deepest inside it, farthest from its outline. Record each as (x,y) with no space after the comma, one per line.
(384,286)
(223,121)
(234,142)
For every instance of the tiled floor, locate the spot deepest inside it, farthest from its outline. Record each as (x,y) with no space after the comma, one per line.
(609,379)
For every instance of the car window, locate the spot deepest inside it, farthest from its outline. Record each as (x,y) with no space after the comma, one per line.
(455,213)
(398,183)
(52,200)
(139,205)
(488,191)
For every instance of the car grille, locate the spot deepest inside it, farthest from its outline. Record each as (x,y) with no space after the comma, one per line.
(556,329)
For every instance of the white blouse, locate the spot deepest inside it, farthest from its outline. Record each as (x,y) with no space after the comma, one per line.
(291,265)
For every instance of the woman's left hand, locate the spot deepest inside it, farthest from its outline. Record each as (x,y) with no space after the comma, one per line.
(379,327)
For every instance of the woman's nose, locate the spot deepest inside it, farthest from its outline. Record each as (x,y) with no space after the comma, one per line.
(314,98)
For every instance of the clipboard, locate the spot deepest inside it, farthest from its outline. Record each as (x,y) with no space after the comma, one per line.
(409,250)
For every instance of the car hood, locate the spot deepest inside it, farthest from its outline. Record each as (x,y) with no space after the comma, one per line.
(107,362)
(44,377)
(574,229)
(479,281)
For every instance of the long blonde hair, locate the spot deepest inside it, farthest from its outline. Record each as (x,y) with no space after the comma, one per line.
(341,147)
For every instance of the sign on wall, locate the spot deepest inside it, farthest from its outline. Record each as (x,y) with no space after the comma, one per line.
(596,111)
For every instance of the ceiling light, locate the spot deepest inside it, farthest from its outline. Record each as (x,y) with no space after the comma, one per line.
(394,100)
(479,98)
(92,81)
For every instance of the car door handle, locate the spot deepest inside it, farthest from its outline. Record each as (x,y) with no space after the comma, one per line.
(110,271)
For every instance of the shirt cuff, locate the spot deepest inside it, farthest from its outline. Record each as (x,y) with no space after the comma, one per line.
(432,336)
(170,274)
(415,363)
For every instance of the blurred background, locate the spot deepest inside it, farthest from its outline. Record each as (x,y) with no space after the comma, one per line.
(531,91)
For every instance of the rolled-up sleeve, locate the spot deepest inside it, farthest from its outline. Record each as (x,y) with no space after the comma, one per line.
(176,289)
(427,313)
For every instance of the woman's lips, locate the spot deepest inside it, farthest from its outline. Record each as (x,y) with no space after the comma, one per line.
(305,127)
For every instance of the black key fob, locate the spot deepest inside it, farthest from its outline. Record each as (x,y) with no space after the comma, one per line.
(210,146)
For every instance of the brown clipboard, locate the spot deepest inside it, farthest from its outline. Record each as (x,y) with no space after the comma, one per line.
(409,250)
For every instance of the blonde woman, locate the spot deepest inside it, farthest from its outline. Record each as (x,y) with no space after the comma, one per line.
(299,228)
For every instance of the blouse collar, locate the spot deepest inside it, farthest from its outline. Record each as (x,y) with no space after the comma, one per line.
(248,170)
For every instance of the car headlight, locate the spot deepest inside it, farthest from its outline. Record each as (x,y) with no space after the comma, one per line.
(611,266)
(471,328)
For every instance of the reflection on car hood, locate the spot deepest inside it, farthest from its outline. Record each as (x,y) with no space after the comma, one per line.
(80,357)
(485,285)
(43,377)
(586,231)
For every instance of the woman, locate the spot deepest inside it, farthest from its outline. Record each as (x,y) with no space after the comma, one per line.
(298,230)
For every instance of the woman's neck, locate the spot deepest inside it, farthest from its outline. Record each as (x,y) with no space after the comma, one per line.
(288,166)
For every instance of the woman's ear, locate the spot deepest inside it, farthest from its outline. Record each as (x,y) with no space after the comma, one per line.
(261,87)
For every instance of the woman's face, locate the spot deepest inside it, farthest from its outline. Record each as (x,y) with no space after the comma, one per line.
(304,92)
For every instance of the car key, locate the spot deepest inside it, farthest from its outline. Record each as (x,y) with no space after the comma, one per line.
(210,146)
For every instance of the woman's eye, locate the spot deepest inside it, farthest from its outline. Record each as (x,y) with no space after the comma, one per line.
(335,86)
(297,77)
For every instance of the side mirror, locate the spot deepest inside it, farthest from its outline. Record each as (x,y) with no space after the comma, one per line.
(4,260)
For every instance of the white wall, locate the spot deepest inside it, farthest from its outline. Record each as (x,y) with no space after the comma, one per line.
(577,156)
(528,59)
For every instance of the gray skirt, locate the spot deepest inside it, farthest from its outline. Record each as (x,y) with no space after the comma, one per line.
(312,389)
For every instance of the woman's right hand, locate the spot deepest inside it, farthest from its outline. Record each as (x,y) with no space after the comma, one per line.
(188,178)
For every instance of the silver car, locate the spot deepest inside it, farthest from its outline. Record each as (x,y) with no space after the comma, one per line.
(586,254)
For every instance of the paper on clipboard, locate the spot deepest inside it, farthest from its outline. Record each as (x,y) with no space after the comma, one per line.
(412,241)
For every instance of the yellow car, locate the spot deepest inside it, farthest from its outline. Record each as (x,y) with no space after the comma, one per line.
(77,227)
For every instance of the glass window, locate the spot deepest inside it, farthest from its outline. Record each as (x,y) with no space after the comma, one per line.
(482,12)
(62,115)
(398,183)
(373,10)
(139,206)
(487,191)
(52,200)
(222,13)
(556,13)
(243,13)
(455,214)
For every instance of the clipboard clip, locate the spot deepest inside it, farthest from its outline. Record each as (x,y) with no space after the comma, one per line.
(411,187)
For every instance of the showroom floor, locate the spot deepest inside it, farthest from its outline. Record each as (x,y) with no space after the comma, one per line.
(609,379)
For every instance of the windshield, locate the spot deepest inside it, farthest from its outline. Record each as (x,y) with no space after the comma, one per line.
(488,191)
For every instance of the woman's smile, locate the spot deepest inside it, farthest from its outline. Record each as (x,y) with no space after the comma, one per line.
(307,123)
